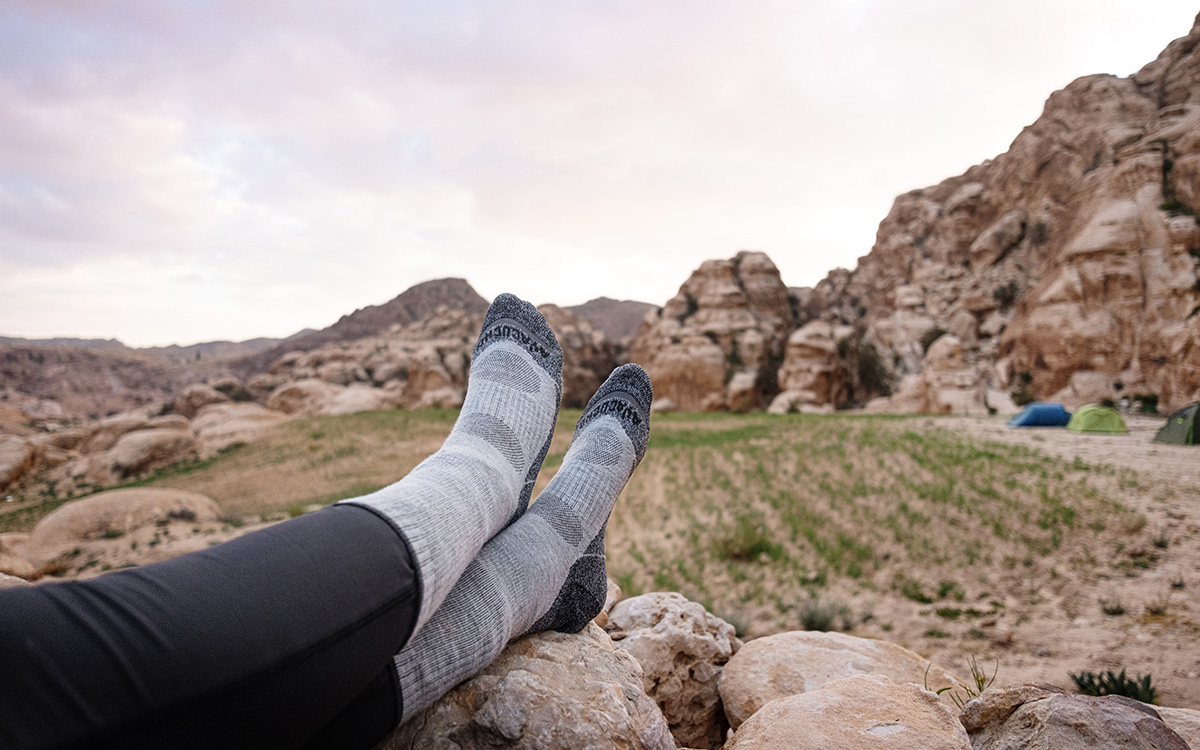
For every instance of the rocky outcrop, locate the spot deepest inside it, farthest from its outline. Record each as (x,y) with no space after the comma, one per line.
(785,664)
(857,713)
(618,320)
(719,342)
(588,356)
(1075,252)
(111,515)
(681,648)
(549,691)
(411,306)
(1043,717)
(195,397)
(813,376)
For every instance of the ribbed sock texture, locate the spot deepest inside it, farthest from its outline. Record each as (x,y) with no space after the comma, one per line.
(481,479)
(520,579)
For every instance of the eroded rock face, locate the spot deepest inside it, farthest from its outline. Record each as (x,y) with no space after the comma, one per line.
(588,355)
(1043,717)
(812,373)
(785,664)
(681,647)
(718,343)
(17,457)
(550,691)
(195,397)
(865,711)
(1074,251)
(112,514)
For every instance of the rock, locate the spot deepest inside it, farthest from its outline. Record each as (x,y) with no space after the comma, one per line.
(110,513)
(195,397)
(550,691)
(218,426)
(588,356)
(144,450)
(105,433)
(681,647)
(11,562)
(7,581)
(17,457)
(303,396)
(1184,721)
(864,711)
(726,327)
(1043,717)
(795,662)
(948,384)
(811,372)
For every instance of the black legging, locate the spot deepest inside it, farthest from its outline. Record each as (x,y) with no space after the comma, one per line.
(281,638)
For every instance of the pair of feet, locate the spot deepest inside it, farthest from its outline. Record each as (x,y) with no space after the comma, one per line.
(490,571)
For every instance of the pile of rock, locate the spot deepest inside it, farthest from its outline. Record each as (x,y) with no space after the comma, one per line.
(718,343)
(669,674)
(117,448)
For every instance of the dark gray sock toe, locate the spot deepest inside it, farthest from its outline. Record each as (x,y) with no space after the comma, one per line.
(626,395)
(582,595)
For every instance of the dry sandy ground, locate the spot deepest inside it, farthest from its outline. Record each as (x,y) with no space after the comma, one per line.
(1064,630)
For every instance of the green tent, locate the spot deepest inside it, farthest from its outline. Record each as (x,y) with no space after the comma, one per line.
(1097,418)
(1180,429)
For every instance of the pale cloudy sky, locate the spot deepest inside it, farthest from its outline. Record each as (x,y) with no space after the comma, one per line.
(188,170)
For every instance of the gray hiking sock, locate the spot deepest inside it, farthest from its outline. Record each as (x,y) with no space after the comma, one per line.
(546,569)
(481,479)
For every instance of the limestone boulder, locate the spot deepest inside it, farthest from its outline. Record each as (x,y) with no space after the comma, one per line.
(550,691)
(861,712)
(195,397)
(1044,717)
(682,648)
(1184,721)
(303,396)
(17,457)
(7,581)
(218,426)
(104,434)
(110,514)
(812,374)
(948,384)
(717,344)
(144,450)
(784,664)
(12,563)
(588,355)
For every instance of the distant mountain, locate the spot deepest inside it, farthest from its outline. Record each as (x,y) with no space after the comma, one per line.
(416,303)
(618,319)
(221,349)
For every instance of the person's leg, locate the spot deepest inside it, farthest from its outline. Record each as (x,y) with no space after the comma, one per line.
(482,477)
(257,642)
(261,641)
(546,570)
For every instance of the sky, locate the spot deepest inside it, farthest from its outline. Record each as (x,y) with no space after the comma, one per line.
(192,171)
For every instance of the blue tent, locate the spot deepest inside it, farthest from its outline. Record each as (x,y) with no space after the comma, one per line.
(1040,414)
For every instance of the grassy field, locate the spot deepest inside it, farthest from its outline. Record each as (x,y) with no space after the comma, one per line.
(902,528)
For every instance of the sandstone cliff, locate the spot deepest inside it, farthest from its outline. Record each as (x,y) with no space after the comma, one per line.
(718,343)
(1065,267)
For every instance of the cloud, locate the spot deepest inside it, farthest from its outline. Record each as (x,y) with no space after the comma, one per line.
(303,159)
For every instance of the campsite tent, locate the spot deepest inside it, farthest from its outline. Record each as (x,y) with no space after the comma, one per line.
(1041,414)
(1097,418)
(1180,429)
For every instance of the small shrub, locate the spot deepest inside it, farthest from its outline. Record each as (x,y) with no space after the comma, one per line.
(1146,403)
(960,694)
(113,533)
(825,616)
(1110,683)
(747,540)
(1157,606)
(1112,607)
(1021,395)
(1161,538)
(1038,233)
(1176,207)
(1178,583)
(1006,294)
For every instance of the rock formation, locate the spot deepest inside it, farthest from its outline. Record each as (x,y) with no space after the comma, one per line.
(1034,717)
(719,342)
(682,648)
(856,713)
(1069,259)
(777,666)
(536,696)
